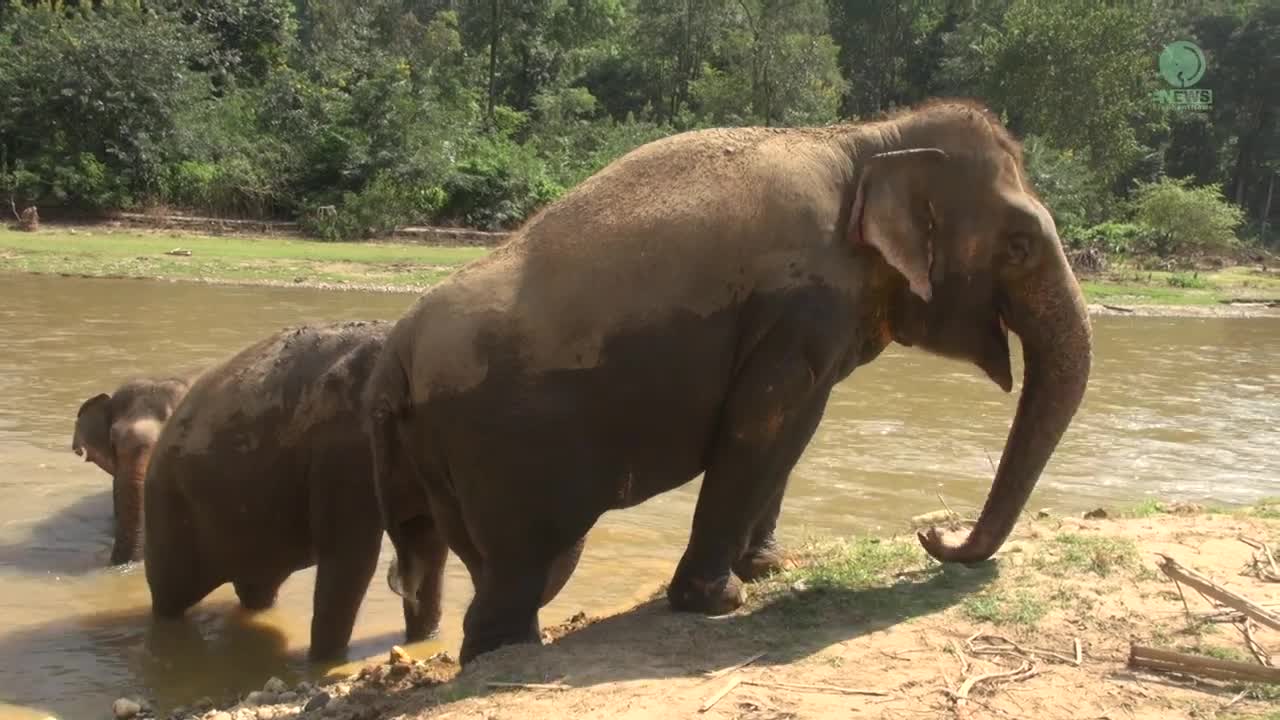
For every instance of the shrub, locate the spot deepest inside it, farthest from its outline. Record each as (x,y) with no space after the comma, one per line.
(1183,280)
(384,205)
(90,98)
(1111,238)
(1187,219)
(497,184)
(1070,188)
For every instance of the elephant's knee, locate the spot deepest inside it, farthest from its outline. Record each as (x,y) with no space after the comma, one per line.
(256,596)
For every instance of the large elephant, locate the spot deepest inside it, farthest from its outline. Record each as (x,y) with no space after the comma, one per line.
(117,432)
(688,310)
(263,470)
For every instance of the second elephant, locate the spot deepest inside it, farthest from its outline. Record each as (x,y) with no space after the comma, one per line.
(263,470)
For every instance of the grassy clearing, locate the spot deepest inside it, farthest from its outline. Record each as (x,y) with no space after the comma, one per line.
(99,253)
(1155,287)
(108,252)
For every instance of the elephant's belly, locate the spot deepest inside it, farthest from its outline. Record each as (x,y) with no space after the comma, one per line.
(574,445)
(579,441)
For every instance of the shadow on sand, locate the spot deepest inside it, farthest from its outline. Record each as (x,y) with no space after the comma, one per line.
(651,642)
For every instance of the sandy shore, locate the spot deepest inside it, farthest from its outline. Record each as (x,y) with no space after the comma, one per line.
(870,628)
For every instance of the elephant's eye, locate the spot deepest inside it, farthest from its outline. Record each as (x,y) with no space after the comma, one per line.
(1019,248)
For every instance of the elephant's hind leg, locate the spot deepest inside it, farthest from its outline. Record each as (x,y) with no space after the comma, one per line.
(562,569)
(764,556)
(504,610)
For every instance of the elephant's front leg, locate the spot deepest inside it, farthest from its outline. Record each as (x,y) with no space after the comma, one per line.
(772,413)
(344,568)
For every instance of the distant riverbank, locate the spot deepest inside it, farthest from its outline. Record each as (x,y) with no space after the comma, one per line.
(286,261)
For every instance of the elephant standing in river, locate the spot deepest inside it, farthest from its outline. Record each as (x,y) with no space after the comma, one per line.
(117,432)
(688,310)
(263,470)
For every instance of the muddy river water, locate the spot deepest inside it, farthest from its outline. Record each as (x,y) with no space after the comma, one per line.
(1177,408)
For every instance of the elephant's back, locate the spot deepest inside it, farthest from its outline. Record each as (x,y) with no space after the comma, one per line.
(266,397)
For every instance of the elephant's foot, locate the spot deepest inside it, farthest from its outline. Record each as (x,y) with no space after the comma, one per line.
(482,640)
(715,597)
(326,653)
(760,562)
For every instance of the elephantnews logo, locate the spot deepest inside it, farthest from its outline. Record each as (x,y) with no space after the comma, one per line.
(1182,65)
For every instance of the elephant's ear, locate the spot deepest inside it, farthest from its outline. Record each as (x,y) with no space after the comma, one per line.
(93,426)
(892,213)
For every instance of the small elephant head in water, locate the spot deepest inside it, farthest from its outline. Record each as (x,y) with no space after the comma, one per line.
(117,433)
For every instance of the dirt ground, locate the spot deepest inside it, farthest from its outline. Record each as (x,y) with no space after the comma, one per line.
(870,628)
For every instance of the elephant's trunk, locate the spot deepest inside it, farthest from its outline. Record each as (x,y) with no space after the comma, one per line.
(131,472)
(1047,311)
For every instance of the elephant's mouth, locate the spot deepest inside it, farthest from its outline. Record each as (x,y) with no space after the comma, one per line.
(994,358)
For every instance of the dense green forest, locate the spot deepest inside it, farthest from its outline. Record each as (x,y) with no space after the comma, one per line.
(359,116)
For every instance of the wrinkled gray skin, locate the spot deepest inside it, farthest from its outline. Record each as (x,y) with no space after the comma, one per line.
(117,432)
(688,310)
(263,471)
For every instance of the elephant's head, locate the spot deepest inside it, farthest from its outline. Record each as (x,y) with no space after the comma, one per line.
(946,202)
(92,436)
(117,433)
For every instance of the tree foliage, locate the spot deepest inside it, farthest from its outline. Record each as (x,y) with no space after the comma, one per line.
(1187,219)
(360,116)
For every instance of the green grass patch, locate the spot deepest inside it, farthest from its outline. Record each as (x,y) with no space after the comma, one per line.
(856,564)
(1220,652)
(1100,555)
(1156,287)
(862,580)
(1005,607)
(107,252)
(1265,693)
(1268,509)
(100,253)
(1145,509)
(1191,281)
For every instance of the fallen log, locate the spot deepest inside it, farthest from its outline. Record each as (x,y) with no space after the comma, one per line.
(1210,589)
(1149,658)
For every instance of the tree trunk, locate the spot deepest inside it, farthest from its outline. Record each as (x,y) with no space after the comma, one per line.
(1266,209)
(493,54)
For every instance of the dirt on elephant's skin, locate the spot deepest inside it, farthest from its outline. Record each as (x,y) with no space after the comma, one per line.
(872,628)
